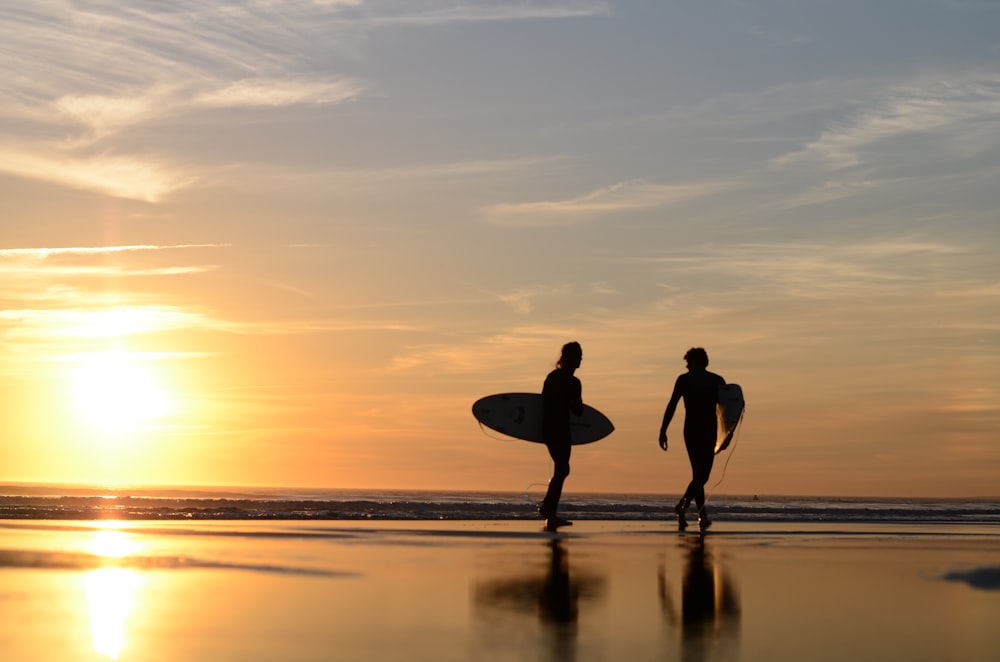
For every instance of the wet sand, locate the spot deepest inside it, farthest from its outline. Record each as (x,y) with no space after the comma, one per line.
(496,590)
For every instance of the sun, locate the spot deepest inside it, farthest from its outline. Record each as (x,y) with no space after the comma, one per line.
(118,391)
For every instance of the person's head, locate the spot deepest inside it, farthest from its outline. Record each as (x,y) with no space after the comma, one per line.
(571,356)
(696,357)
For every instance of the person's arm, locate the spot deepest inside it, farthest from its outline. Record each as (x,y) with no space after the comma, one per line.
(668,415)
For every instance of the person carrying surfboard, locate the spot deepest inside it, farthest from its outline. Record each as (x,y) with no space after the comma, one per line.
(699,389)
(562,396)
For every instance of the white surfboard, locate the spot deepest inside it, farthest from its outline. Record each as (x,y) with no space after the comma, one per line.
(519,415)
(730,412)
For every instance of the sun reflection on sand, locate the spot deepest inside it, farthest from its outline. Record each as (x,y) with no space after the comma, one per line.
(113,541)
(110,589)
(109,595)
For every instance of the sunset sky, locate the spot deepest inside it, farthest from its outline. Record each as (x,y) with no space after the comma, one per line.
(290,242)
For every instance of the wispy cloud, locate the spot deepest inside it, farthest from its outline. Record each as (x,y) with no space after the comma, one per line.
(84,75)
(42,253)
(135,177)
(436,12)
(821,270)
(617,198)
(277,92)
(112,322)
(104,114)
(424,174)
(66,275)
(100,270)
(523,300)
(940,108)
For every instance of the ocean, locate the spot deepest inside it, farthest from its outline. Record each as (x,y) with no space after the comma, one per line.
(255,575)
(42,502)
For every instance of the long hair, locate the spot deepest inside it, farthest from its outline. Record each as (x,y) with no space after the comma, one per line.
(571,353)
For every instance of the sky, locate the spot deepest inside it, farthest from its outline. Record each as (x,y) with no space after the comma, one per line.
(289,243)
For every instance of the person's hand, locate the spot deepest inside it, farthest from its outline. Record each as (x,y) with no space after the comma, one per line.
(663,440)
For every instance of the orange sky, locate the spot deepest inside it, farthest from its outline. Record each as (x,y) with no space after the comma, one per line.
(291,245)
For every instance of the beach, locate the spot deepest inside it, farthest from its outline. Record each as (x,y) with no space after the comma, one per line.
(496,590)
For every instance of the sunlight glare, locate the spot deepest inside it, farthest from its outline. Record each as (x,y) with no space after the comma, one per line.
(117,391)
(110,590)
(109,596)
(112,542)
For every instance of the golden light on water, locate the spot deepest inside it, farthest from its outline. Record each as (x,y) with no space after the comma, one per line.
(110,590)
(109,596)
(113,541)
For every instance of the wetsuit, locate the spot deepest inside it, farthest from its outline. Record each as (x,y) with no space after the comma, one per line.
(699,389)
(561,396)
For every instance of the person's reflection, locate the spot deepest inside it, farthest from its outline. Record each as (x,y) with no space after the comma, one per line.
(554,598)
(710,608)
(559,599)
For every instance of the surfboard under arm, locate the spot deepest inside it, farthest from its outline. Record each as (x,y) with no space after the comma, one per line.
(730,412)
(519,415)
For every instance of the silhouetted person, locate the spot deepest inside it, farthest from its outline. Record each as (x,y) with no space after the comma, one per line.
(562,396)
(699,389)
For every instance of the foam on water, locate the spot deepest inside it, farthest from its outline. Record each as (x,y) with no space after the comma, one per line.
(78,503)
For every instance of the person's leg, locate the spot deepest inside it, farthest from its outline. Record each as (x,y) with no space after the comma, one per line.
(559,452)
(701,453)
(701,469)
(689,492)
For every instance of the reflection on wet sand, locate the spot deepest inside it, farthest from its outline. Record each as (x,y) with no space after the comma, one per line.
(553,599)
(110,591)
(109,599)
(710,608)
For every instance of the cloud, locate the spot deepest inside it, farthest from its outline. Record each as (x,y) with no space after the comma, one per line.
(112,322)
(263,92)
(69,275)
(940,108)
(84,76)
(101,69)
(42,253)
(522,301)
(818,270)
(103,114)
(441,13)
(140,176)
(617,198)
(134,177)
(103,271)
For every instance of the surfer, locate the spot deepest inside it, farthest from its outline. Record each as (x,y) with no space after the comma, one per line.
(699,388)
(562,395)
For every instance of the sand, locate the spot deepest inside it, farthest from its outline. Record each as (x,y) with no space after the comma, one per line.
(248,591)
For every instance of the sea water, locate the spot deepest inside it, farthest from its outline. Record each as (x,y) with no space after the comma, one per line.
(21,501)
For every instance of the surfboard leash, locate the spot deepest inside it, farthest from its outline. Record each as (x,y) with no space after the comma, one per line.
(484,429)
(732,450)
(527,490)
